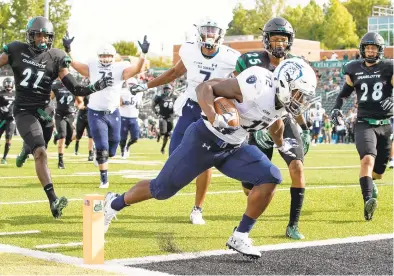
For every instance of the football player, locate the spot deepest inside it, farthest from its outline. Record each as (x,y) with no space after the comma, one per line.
(372,79)
(82,122)
(165,101)
(103,108)
(64,118)
(7,122)
(278,36)
(129,111)
(36,65)
(213,143)
(203,60)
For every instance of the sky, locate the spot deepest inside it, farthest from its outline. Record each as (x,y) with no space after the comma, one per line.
(165,22)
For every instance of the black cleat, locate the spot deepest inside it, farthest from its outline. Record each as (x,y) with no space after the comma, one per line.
(369,208)
(57,206)
(60,165)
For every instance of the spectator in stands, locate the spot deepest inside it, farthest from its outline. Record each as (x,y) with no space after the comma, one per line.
(358,55)
(334,56)
(345,57)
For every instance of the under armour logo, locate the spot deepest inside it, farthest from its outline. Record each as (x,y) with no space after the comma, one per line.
(214,65)
(189,105)
(376,71)
(206,146)
(95,114)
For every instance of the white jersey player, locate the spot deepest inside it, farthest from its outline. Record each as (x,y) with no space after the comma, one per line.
(103,108)
(261,97)
(202,60)
(129,111)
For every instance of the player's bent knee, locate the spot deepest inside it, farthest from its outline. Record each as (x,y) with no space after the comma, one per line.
(39,153)
(101,156)
(368,160)
(163,189)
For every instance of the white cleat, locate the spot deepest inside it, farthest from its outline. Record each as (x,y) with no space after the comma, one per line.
(391,164)
(241,243)
(109,213)
(196,216)
(104,185)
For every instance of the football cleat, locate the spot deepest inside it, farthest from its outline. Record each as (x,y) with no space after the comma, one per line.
(375,190)
(109,213)
(369,208)
(60,165)
(293,233)
(391,164)
(196,216)
(4,162)
(241,243)
(104,185)
(21,158)
(57,206)
(90,158)
(75,153)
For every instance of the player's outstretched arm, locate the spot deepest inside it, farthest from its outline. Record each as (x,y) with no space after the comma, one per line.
(168,76)
(207,91)
(79,90)
(83,69)
(3,59)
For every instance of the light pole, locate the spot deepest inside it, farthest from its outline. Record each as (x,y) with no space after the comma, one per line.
(46,8)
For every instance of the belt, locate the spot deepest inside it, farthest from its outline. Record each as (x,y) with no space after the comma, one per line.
(376,122)
(224,145)
(103,112)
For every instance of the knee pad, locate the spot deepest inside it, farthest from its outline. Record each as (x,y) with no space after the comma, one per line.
(276,176)
(160,190)
(101,156)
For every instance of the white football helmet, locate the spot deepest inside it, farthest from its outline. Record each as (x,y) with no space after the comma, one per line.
(106,54)
(210,35)
(295,83)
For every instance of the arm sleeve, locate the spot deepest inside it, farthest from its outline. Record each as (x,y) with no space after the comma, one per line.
(240,65)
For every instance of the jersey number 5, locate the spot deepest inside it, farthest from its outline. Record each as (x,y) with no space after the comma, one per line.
(28,74)
(376,94)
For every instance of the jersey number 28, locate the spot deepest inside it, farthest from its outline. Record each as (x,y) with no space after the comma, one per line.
(377,92)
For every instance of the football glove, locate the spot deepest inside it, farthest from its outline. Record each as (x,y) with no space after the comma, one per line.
(387,104)
(263,139)
(102,83)
(145,45)
(306,140)
(288,144)
(221,124)
(136,88)
(335,113)
(67,42)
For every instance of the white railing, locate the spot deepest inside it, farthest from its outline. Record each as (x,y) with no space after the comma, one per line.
(329,94)
(382,11)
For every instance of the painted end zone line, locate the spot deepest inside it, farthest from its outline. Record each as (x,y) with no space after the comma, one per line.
(186,256)
(20,233)
(59,258)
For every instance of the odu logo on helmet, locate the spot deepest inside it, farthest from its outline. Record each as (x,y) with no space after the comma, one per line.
(252,79)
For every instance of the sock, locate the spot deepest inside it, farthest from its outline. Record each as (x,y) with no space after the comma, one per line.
(165,139)
(76,146)
(246,224)
(103,176)
(366,187)
(122,145)
(60,157)
(130,143)
(6,150)
(118,203)
(49,190)
(197,208)
(297,198)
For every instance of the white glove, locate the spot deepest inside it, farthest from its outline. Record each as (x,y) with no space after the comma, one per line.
(138,88)
(288,144)
(221,123)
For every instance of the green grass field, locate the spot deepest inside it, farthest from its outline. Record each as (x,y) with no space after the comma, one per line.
(158,227)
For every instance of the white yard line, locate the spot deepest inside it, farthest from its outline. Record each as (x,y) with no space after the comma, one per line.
(57,245)
(20,233)
(282,246)
(59,258)
(211,193)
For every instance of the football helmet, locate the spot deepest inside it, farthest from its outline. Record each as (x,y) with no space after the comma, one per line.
(210,35)
(106,54)
(372,38)
(278,26)
(295,83)
(167,89)
(36,25)
(8,84)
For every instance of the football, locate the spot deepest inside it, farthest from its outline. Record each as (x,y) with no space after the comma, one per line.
(225,106)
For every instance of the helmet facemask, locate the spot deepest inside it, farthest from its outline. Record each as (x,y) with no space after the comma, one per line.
(374,59)
(106,59)
(210,36)
(8,85)
(284,47)
(43,46)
